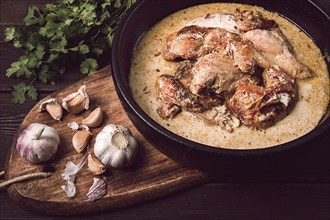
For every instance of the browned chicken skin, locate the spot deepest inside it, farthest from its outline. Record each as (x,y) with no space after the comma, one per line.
(192,42)
(186,43)
(214,72)
(174,95)
(261,106)
(250,20)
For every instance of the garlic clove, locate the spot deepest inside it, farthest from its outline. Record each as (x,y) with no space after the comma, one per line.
(76,105)
(80,140)
(77,101)
(94,119)
(95,165)
(53,107)
(55,110)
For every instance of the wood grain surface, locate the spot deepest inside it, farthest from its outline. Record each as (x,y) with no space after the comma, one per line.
(299,189)
(153,175)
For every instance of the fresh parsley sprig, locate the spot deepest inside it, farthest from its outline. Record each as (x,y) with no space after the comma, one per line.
(60,35)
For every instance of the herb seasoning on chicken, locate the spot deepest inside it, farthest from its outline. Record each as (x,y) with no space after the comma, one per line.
(231,76)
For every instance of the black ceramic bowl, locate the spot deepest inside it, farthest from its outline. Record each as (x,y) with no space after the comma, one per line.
(141,17)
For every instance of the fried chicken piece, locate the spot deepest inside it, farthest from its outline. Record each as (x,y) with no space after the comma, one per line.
(246,57)
(236,23)
(243,52)
(192,42)
(214,72)
(215,40)
(272,45)
(173,93)
(184,43)
(262,106)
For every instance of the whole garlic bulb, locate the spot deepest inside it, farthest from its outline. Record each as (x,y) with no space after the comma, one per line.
(38,142)
(115,146)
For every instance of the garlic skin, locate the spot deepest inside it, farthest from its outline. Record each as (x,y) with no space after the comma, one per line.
(38,143)
(74,126)
(115,146)
(98,189)
(69,175)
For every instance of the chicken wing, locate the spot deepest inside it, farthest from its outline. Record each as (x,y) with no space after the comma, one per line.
(273,46)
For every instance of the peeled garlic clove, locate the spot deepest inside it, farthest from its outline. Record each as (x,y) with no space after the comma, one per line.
(115,146)
(77,101)
(80,140)
(38,143)
(55,110)
(94,119)
(53,107)
(95,165)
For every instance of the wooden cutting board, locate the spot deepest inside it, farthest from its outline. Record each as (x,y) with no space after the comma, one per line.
(152,176)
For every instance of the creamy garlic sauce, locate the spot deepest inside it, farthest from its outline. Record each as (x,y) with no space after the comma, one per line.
(148,64)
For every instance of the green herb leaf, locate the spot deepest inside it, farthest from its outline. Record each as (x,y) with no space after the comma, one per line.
(49,29)
(89,66)
(9,32)
(58,44)
(32,92)
(40,52)
(17,68)
(97,51)
(32,16)
(117,3)
(19,91)
(83,49)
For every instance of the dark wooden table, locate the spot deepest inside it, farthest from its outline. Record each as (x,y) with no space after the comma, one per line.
(300,189)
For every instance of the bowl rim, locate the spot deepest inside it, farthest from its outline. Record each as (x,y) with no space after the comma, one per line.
(125,94)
